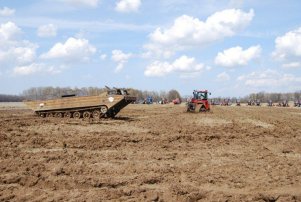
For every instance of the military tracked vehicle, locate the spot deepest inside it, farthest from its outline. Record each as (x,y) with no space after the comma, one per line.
(106,105)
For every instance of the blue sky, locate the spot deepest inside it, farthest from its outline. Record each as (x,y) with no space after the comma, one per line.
(231,48)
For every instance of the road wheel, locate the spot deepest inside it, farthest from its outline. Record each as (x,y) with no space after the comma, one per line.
(86,115)
(49,114)
(103,109)
(58,115)
(96,114)
(76,115)
(67,115)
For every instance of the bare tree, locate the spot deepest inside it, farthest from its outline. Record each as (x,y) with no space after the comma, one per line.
(173,94)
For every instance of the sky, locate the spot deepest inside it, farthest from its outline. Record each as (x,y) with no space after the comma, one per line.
(229,47)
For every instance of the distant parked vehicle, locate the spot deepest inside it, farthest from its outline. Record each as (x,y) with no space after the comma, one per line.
(297,103)
(284,103)
(177,101)
(225,102)
(148,100)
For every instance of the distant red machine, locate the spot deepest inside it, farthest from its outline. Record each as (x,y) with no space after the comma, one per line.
(199,101)
(177,101)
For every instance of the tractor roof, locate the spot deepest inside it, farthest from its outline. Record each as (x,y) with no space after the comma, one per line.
(202,91)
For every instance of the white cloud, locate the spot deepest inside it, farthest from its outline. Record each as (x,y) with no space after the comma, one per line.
(79,3)
(127,5)
(7,12)
(184,65)
(270,78)
(292,65)
(14,51)
(103,56)
(188,31)
(120,58)
(73,50)
(288,49)
(35,68)
(157,51)
(158,68)
(18,55)
(223,77)
(236,56)
(9,31)
(47,30)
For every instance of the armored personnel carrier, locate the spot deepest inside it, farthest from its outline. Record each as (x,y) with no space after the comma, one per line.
(107,105)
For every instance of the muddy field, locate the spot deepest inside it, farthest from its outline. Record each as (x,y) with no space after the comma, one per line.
(153,153)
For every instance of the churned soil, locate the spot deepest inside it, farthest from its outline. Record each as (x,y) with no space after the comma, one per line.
(153,153)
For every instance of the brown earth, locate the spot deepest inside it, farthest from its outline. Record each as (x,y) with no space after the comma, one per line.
(153,153)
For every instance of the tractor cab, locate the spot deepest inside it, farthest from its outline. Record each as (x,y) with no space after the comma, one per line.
(200,95)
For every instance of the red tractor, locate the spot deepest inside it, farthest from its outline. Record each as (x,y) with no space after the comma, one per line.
(199,101)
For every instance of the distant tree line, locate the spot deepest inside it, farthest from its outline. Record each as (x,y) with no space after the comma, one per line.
(56,92)
(10,98)
(265,97)
(157,96)
(37,93)
(275,97)
(41,93)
